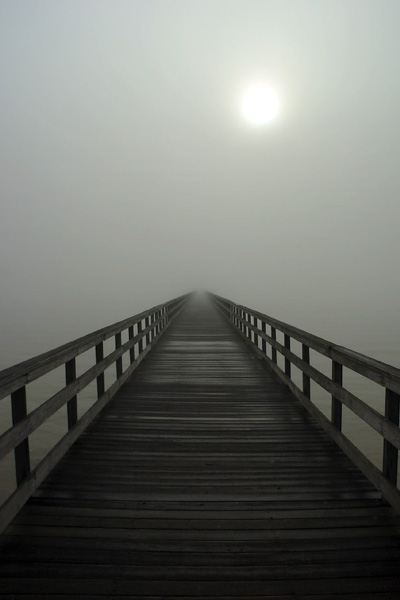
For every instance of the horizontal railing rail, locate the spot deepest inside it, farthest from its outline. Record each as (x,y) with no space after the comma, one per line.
(143,331)
(252,326)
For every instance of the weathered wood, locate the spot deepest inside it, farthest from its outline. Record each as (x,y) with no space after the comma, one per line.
(72,405)
(337,377)
(140,344)
(100,377)
(273,337)
(203,477)
(23,424)
(21,451)
(379,372)
(118,362)
(31,422)
(287,360)
(381,424)
(389,430)
(306,379)
(390,452)
(132,350)
(388,490)
(263,342)
(12,378)
(28,486)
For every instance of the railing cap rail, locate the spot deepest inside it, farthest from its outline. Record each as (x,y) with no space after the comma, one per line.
(28,370)
(380,372)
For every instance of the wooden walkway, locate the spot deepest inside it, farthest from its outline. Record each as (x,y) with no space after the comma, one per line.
(203,478)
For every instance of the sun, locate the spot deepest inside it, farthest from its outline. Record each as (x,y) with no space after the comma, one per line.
(260,104)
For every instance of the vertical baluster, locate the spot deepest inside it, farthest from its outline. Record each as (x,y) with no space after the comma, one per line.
(390,452)
(336,411)
(72,405)
(273,351)
(287,360)
(306,378)
(152,327)
(255,334)
(132,350)
(139,330)
(21,452)
(264,342)
(146,323)
(156,326)
(100,378)
(118,362)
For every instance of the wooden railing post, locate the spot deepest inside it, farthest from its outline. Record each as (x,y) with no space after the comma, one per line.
(158,328)
(118,362)
(255,323)
(306,379)
(273,351)
(337,377)
(264,342)
(139,330)
(72,405)
(146,324)
(390,452)
(132,350)
(21,452)
(287,361)
(100,378)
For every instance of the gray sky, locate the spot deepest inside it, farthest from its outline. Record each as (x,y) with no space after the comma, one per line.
(128,175)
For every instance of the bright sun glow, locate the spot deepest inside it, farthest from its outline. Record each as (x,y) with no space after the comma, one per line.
(260,104)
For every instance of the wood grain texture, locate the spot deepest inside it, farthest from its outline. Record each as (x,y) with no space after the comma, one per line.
(203,477)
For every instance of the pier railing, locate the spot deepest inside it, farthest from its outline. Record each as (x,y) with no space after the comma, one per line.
(142,332)
(261,330)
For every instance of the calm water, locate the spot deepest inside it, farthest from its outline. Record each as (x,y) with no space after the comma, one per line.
(380,342)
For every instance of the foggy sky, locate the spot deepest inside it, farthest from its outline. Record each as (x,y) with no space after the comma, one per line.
(128,175)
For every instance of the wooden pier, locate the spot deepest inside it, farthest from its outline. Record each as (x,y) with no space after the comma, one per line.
(203,477)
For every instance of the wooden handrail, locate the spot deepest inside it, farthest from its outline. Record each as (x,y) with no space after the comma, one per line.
(27,371)
(252,326)
(149,326)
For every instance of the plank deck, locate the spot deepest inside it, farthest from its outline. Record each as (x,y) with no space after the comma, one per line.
(203,478)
